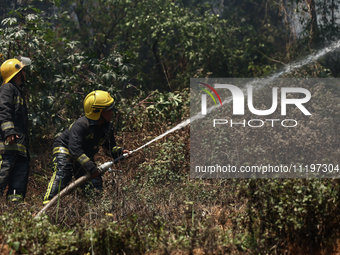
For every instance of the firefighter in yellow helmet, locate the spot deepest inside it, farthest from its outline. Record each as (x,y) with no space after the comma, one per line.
(74,149)
(14,155)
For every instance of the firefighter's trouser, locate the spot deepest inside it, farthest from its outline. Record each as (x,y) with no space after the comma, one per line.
(63,170)
(14,170)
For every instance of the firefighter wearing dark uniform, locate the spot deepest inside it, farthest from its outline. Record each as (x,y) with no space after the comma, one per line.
(74,149)
(14,155)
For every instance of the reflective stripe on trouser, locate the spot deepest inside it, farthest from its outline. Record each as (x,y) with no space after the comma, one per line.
(14,170)
(15,198)
(63,169)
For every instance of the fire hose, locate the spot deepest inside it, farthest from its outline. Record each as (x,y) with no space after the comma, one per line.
(102,168)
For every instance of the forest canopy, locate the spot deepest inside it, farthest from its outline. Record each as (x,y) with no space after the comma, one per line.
(133,47)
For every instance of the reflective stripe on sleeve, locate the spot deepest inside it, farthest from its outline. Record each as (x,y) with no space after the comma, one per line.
(7,125)
(115,149)
(83,159)
(13,147)
(60,150)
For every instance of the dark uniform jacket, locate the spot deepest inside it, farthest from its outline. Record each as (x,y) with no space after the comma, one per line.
(13,119)
(82,140)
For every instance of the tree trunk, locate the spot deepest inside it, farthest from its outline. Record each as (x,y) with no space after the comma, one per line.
(313,19)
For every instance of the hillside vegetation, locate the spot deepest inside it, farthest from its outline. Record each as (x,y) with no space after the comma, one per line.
(144,53)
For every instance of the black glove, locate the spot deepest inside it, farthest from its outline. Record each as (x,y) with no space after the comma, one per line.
(95,172)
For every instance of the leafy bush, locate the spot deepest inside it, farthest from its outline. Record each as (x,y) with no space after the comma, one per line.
(29,236)
(284,211)
(60,75)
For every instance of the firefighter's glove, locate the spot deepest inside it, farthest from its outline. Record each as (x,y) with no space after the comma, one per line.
(11,139)
(95,173)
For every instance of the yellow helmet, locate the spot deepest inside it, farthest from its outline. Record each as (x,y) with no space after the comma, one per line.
(96,102)
(13,66)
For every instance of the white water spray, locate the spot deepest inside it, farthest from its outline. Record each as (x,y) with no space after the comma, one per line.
(179,126)
(291,67)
